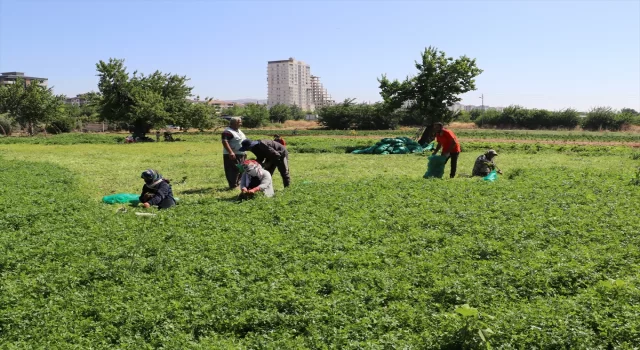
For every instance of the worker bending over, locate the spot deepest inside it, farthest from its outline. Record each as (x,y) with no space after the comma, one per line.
(448,142)
(255,179)
(485,164)
(271,155)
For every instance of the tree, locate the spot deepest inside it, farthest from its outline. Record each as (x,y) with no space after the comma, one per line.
(142,101)
(198,115)
(630,111)
(279,113)
(438,84)
(30,104)
(297,113)
(255,115)
(235,111)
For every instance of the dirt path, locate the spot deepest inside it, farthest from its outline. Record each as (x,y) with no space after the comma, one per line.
(559,142)
(489,140)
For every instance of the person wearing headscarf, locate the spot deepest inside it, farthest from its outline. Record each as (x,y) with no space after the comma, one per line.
(156,190)
(232,155)
(271,155)
(485,164)
(277,138)
(255,179)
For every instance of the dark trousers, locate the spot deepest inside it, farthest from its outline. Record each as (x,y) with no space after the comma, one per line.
(167,203)
(231,169)
(283,169)
(454,163)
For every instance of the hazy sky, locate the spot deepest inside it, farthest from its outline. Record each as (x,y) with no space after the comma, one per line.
(544,54)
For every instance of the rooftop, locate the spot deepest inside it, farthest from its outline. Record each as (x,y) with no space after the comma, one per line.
(18,75)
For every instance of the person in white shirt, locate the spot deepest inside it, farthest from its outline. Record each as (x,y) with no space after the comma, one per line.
(232,156)
(254,180)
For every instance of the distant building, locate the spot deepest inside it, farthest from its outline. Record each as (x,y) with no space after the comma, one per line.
(12,77)
(319,94)
(289,82)
(79,100)
(220,105)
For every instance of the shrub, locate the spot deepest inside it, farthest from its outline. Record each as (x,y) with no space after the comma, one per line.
(361,116)
(6,126)
(605,118)
(566,118)
(61,125)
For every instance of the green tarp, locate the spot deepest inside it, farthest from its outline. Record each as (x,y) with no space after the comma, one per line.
(398,145)
(121,198)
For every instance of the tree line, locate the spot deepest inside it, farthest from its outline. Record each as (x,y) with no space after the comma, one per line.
(130,101)
(140,103)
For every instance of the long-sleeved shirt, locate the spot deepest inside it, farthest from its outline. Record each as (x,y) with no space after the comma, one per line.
(269,150)
(161,192)
(264,182)
(483,166)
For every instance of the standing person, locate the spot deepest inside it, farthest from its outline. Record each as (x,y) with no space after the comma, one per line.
(485,164)
(157,135)
(448,142)
(271,155)
(255,179)
(277,138)
(156,190)
(232,154)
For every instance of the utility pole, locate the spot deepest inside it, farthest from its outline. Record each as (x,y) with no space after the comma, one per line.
(482,97)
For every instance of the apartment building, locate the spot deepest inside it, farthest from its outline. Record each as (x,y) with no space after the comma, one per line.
(289,83)
(12,77)
(319,94)
(79,100)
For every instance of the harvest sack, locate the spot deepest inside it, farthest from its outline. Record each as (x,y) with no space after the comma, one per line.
(435,166)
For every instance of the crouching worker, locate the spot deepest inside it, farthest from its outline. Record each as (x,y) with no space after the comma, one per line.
(255,179)
(485,164)
(156,190)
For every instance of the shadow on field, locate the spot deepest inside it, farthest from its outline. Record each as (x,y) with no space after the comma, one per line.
(202,190)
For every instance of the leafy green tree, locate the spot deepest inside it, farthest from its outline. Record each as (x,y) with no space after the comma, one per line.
(199,116)
(297,113)
(279,113)
(255,115)
(235,111)
(437,85)
(629,111)
(30,104)
(142,101)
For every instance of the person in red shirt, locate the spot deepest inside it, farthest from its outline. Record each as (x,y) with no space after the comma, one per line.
(277,138)
(448,142)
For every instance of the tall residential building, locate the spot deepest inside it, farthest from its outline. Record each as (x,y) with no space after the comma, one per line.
(289,83)
(11,77)
(319,94)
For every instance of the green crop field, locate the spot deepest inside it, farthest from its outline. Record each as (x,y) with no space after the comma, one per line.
(360,252)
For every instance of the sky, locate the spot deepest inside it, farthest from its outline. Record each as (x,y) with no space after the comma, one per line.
(537,54)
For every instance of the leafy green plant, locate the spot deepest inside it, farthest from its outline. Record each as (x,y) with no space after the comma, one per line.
(475,331)
(636,178)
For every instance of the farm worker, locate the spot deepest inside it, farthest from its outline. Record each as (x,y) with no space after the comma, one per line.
(448,142)
(156,190)
(270,155)
(232,155)
(484,164)
(255,179)
(277,138)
